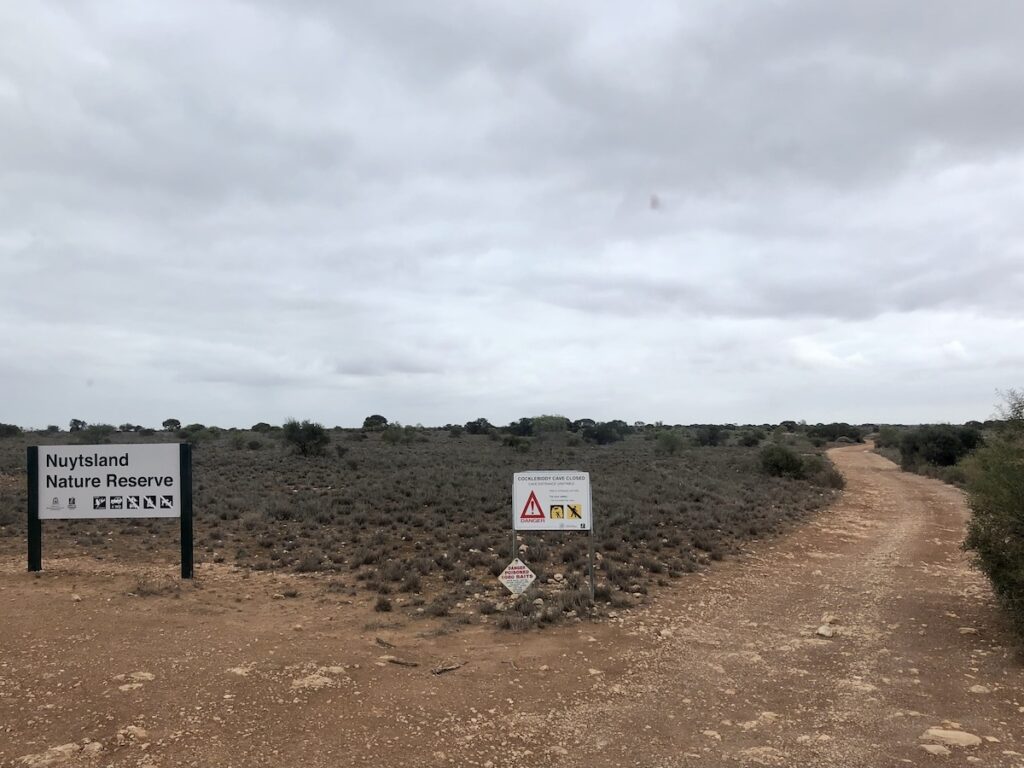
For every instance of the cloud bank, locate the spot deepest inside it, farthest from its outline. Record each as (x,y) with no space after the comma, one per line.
(234,212)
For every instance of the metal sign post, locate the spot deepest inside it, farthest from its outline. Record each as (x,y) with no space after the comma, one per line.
(35,526)
(187,548)
(592,534)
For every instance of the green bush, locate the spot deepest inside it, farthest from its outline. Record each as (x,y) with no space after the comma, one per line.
(396,434)
(888,437)
(780,461)
(9,430)
(750,439)
(820,471)
(479,426)
(544,424)
(306,437)
(942,445)
(669,441)
(995,483)
(606,432)
(710,435)
(375,423)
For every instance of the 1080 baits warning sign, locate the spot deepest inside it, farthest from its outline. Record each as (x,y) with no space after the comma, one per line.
(551,500)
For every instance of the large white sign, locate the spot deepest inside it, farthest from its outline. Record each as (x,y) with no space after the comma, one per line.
(557,500)
(84,481)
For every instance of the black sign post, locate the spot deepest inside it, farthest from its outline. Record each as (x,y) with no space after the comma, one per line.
(35,526)
(186,510)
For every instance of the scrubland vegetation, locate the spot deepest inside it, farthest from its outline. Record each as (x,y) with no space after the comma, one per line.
(421,517)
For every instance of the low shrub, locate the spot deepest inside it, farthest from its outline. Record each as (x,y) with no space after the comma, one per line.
(669,441)
(750,439)
(820,471)
(780,461)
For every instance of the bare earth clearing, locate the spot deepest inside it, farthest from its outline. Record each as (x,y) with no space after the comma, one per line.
(727,668)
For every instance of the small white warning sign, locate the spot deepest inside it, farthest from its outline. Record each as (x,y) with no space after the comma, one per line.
(517,577)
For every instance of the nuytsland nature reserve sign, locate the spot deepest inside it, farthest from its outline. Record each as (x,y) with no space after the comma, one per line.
(94,481)
(81,482)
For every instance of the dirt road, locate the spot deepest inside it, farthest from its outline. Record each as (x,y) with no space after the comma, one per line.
(727,669)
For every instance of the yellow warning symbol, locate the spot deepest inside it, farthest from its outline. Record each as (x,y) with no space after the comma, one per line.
(575,511)
(557,512)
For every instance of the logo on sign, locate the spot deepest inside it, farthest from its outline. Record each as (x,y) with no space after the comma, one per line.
(99,502)
(54,504)
(72,504)
(117,502)
(532,510)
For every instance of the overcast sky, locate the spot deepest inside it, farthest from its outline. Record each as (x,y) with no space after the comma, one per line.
(690,212)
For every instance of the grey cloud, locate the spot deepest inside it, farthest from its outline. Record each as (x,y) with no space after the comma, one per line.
(429,210)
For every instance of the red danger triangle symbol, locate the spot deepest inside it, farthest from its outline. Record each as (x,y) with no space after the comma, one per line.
(532,510)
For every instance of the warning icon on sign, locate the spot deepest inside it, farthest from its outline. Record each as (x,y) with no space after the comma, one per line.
(149,502)
(557,512)
(166,502)
(574,511)
(532,510)
(133,502)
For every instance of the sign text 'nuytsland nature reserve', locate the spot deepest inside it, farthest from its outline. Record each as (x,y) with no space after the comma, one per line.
(92,481)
